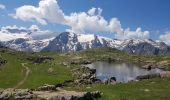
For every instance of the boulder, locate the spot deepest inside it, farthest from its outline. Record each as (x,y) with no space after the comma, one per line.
(69,95)
(163,64)
(5,95)
(85,75)
(16,94)
(40,59)
(47,87)
(81,62)
(111,80)
(150,76)
(2,61)
(148,66)
(23,94)
(165,74)
(85,62)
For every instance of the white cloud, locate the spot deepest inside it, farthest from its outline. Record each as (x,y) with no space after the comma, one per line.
(48,10)
(138,34)
(165,38)
(34,28)
(2,6)
(93,10)
(81,22)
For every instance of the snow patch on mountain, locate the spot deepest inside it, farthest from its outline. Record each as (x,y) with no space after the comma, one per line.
(23,39)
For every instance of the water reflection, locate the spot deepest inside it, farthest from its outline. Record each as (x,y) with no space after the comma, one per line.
(122,71)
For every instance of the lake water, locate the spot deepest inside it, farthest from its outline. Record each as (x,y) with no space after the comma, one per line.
(122,71)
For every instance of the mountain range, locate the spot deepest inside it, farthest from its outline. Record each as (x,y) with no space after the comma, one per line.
(71,42)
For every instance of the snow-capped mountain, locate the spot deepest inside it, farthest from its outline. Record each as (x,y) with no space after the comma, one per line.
(146,47)
(37,40)
(69,42)
(23,39)
(21,44)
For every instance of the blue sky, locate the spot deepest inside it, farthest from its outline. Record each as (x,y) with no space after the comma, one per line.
(150,15)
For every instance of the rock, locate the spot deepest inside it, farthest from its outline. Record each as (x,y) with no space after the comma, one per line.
(148,66)
(85,62)
(80,62)
(85,75)
(111,80)
(163,64)
(74,62)
(65,64)
(165,74)
(16,94)
(5,95)
(40,59)
(96,94)
(47,87)
(69,95)
(23,94)
(2,61)
(150,76)
(50,70)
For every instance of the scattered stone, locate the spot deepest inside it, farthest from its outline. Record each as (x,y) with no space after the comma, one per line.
(25,94)
(80,62)
(165,74)
(50,70)
(21,94)
(85,75)
(40,59)
(150,76)
(16,94)
(65,63)
(68,95)
(47,87)
(148,66)
(111,80)
(5,94)
(163,64)
(2,61)
(146,90)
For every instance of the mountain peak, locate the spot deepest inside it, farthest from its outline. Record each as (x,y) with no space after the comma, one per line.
(71,42)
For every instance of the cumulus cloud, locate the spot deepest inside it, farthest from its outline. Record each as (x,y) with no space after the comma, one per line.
(82,22)
(2,6)
(138,34)
(48,11)
(165,38)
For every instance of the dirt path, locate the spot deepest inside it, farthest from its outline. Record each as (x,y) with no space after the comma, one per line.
(25,77)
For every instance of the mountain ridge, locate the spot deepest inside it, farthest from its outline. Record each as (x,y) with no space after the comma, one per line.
(72,42)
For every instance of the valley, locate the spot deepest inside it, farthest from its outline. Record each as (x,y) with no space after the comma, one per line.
(33,70)
(84,50)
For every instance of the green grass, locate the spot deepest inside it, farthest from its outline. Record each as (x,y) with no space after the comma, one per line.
(155,89)
(39,75)
(13,72)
